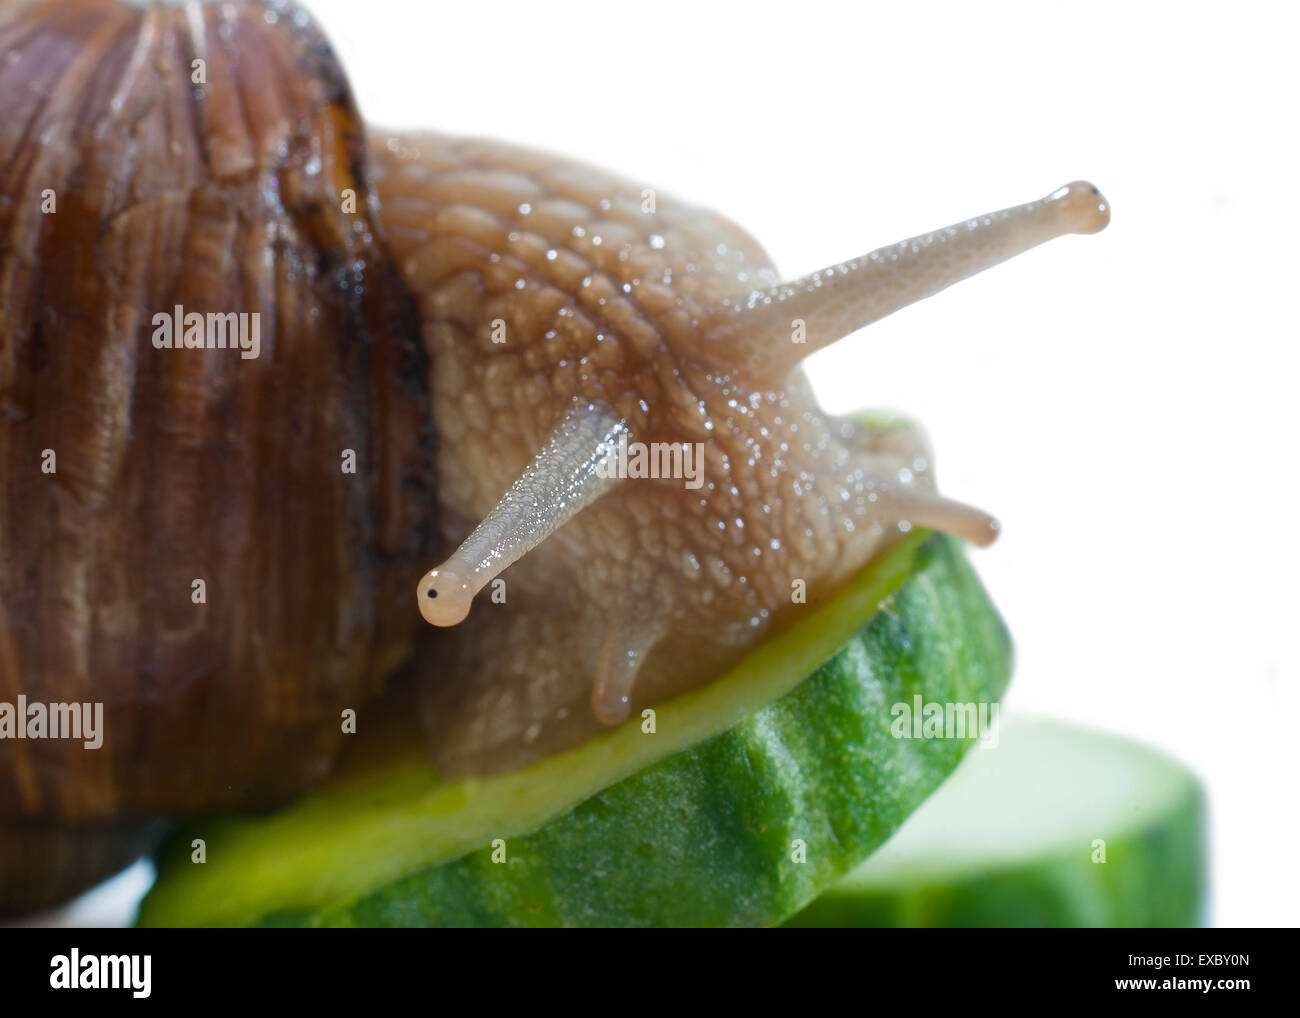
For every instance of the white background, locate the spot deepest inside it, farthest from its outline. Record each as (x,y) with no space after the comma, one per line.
(1124,402)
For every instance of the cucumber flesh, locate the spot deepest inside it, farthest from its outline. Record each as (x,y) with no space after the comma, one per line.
(1013,839)
(699,823)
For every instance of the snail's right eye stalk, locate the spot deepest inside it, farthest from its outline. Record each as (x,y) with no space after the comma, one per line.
(563,479)
(444,597)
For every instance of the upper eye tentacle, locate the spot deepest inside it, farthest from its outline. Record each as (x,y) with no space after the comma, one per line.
(773,330)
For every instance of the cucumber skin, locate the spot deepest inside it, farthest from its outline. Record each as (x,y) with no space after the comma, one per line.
(1154,877)
(704,837)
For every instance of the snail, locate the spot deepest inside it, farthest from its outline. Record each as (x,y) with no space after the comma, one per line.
(492,391)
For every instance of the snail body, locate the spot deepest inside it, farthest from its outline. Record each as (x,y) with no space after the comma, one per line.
(486,329)
(550,297)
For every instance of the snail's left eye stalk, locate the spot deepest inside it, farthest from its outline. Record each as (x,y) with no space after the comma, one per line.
(842,298)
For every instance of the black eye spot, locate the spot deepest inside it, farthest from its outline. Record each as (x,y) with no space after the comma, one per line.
(1094,189)
(431,593)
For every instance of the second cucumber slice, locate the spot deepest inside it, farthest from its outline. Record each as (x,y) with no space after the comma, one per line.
(1055,826)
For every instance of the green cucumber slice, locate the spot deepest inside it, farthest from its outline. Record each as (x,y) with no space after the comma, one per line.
(1010,840)
(696,824)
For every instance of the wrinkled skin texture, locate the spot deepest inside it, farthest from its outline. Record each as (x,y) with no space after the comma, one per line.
(605,302)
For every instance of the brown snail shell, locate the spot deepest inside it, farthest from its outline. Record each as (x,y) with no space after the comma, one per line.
(44,865)
(174,465)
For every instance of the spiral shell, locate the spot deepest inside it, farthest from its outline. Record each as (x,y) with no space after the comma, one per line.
(209,157)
